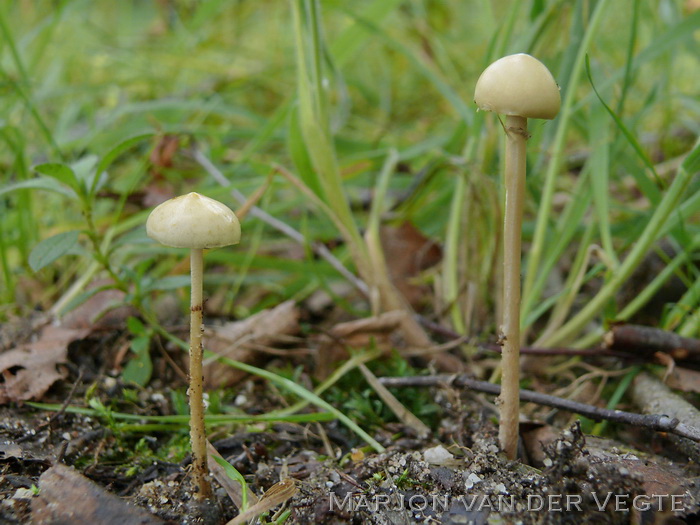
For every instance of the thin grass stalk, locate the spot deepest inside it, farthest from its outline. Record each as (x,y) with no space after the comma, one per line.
(568,226)
(372,239)
(573,284)
(316,129)
(684,311)
(600,177)
(314,122)
(450,263)
(650,235)
(20,86)
(530,293)
(649,291)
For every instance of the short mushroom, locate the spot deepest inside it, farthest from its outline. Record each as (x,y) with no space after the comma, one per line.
(520,87)
(196,222)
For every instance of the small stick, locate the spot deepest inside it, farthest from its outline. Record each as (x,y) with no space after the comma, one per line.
(66,402)
(660,422)
(635,339)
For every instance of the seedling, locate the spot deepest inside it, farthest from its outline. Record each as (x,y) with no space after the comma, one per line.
(196,222)
(520,87)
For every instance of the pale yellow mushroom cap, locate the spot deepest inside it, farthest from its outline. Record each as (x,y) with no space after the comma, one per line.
(518,85)
(193,221)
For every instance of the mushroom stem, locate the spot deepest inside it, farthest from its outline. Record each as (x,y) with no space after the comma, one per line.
(516,133)
(198,435)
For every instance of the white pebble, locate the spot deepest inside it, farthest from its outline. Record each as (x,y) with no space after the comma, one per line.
(437,455)
(23,493)
(472,480)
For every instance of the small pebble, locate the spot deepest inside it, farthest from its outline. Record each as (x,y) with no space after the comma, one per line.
(472,480)
(23,493)
(437,455)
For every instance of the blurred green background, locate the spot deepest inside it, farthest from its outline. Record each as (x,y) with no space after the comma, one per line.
(222,78)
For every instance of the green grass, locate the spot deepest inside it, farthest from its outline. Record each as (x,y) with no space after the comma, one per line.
(338,93)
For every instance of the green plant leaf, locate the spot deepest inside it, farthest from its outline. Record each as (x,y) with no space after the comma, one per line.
(111,156)
(39,183)
(232,473)
(139,368)
(48,250)
(300,155)
(62,173)
(135,326)
(302,392)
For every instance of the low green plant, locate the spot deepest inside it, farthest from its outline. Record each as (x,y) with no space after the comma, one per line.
(363,404)
(236,476)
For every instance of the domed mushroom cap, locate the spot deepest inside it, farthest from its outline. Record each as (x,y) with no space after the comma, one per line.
(193,221)
(518,85)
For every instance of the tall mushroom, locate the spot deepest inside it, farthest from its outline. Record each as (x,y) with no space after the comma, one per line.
(520,87)
(196,222)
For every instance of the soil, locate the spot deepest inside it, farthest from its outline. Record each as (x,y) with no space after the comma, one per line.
(457,475)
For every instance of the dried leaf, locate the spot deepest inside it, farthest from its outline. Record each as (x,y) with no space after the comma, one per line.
(408,253)
(243,340)
(163,153)
(384,332)
(30,369)
(275,495)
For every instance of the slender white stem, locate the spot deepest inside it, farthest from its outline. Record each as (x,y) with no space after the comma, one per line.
(516,131)
(198,435)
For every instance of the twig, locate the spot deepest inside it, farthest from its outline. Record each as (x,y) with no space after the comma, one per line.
(65,403)
(318,248)
(635,338)
(660,422)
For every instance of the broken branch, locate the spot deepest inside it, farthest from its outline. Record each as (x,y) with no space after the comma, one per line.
(630,338)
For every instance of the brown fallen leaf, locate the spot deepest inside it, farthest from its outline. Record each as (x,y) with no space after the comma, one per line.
(383,332)
(276,495)
(29,370)
(163,153)
(691,6)
(65,496)
(246,340)
(106,309)
(408,253)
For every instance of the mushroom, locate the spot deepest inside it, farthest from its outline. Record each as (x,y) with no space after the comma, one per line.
(196,222)
(520,87)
